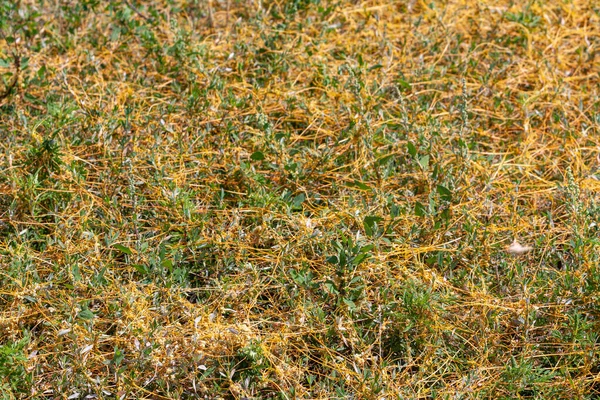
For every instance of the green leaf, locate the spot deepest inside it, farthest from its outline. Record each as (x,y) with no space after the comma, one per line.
(370,224)
(445,215)
(342,259)
(297,201)
(76,273)
(444,192)
(142,269)
(424,162)
(330,287)
(86,314)
(403,85)
(367,248)
(356,279)
(412,150)
(257,156)
(332,260)
(351,305)
(420,210)
(123,249)
(360,258)
(384,159)
(359,185)
(118,357)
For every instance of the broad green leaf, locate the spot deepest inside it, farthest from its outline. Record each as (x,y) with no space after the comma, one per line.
(367,248)
(403,85)
(86,314)
(330,287)
(445,215)
(119,356)
(384,159)
(412,150)
(424,162)
(360,258)
(369,223)
(350,304)
(444,192)
(420,210)
(142,269)
(123,249)
(297,201)
(332,259)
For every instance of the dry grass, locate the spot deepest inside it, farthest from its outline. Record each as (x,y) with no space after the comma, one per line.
(256,199)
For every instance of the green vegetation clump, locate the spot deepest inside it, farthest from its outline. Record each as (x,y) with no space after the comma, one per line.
(299,199)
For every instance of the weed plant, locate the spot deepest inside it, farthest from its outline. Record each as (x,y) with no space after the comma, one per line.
(299,199)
